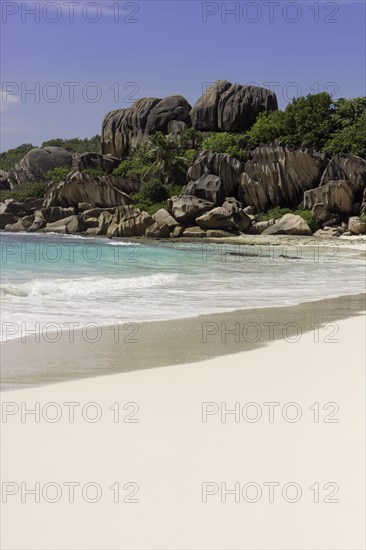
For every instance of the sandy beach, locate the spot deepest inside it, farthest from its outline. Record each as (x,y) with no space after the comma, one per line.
(163,443)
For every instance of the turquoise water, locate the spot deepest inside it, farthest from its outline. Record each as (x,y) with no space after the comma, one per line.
(56,279)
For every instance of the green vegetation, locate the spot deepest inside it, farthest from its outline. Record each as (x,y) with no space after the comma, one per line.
(76,145)
(224,142)
(95,172)
(278,212)
(57,174)
(25,191)
(10,158)
(315,121)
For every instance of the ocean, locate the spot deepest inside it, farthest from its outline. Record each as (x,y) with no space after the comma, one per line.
(57,279)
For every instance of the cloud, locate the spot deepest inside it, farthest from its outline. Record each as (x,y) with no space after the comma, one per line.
(7,101)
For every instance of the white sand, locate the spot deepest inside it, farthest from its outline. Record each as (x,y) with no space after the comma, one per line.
(170,452)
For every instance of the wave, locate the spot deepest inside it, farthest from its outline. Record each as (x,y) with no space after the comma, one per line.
(86,286)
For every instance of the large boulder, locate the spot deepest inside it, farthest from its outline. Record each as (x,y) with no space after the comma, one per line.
(289,224)
(241,221)
(231,107)
(11,206)
(37,162)
(81,188)
(123,129)
(336,195)
(218,218)
(68,226)
(232,205)
(162,216)
(208,187)
(186,209)
(158,230)
(7,218)
(226,167)
(21,225)
(258,228)
(95,161)
(129,221)
(357,226)
(349,168)
(56,213)
(278,176)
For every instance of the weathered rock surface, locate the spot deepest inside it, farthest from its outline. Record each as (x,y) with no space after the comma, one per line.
(37,162)
(104,192)
(231,107)
(158,230)
(218,234)
(336,195)
(232,205)
(56,213)
(7,218)
(123,129)
(277,176)
(349,168)
(129,221)
(289,224)
(357,226)
(186,209)
(218,218)
(363,204)
(162,216)
(193,232)
(22,224)
(321,212)
(224,166)
(177,231)
(96,161)
(258,227)
(71,225)
(241,221)
(208,187)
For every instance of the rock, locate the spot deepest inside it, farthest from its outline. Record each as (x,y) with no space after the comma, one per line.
(129,221)
(241,221)
(232,205)
(231,107)
(332,222)
(336,195)
(176,127)
(321,212)
(326,234)
(39,221)
(56,213)
(357,226)
(258,227)
(193,232)
(289,224)
(163,216)
(218,234)
(158,230)
(347,234)
(224,166)
(95,161)
(104,222)
(250,210)
(96,212)
(350,168)
(177,231)
(23,224)
(277,176)
(123,129)
(6,218)
(71,225)
(81,188)
(208,187)
(84,206)
(218,218)
(11,206)
(37,162)
(186,209)
(91,222)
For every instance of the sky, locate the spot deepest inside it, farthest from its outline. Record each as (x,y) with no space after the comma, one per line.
(66,63)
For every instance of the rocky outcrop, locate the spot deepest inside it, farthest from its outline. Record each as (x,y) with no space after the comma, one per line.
(37,162)
(95,161)
(230,107)
(258,228)
(226,167)
(218,218)
(186,209)
(81,188)
(194,232)
(357,226)
(56,213)
(162,216)
(123,129)
(241,221)
(7,218)
(68,226)
(336,195)
(129,221)
(289,224)
(278,176)
(232,205)
(208,187)
(349,168)
(158,230)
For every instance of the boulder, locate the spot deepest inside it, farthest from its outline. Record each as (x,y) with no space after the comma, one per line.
(363,204)
(357,226)
(96,212)
(350,168)
(96,161)
(218,218)
(6,218)
(56,213)
(232,205)
(163,217)
(83,206)
(71,225)
(218,234)
(278,176)
(241,221)
(336,195)
(80,188)
(289,224)
(23,224)
(330,232)
(37,162)
(158,230)
(193,232)
(257,228)
(208,187)
(226,167)
(321,212)
(231,107)
(104,222)
(177,231)
(18,209)
(39,221)
(123,129)
(186,209)
(129,221)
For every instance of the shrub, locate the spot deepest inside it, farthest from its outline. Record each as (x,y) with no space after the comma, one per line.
(8,159)
(95,172)
(189,155)
(25,191)
(57,174)
(153,191)
(224,142)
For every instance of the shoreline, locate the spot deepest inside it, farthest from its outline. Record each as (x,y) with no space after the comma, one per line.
(153,344)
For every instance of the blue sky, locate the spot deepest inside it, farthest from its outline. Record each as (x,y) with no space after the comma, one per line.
(156,48)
